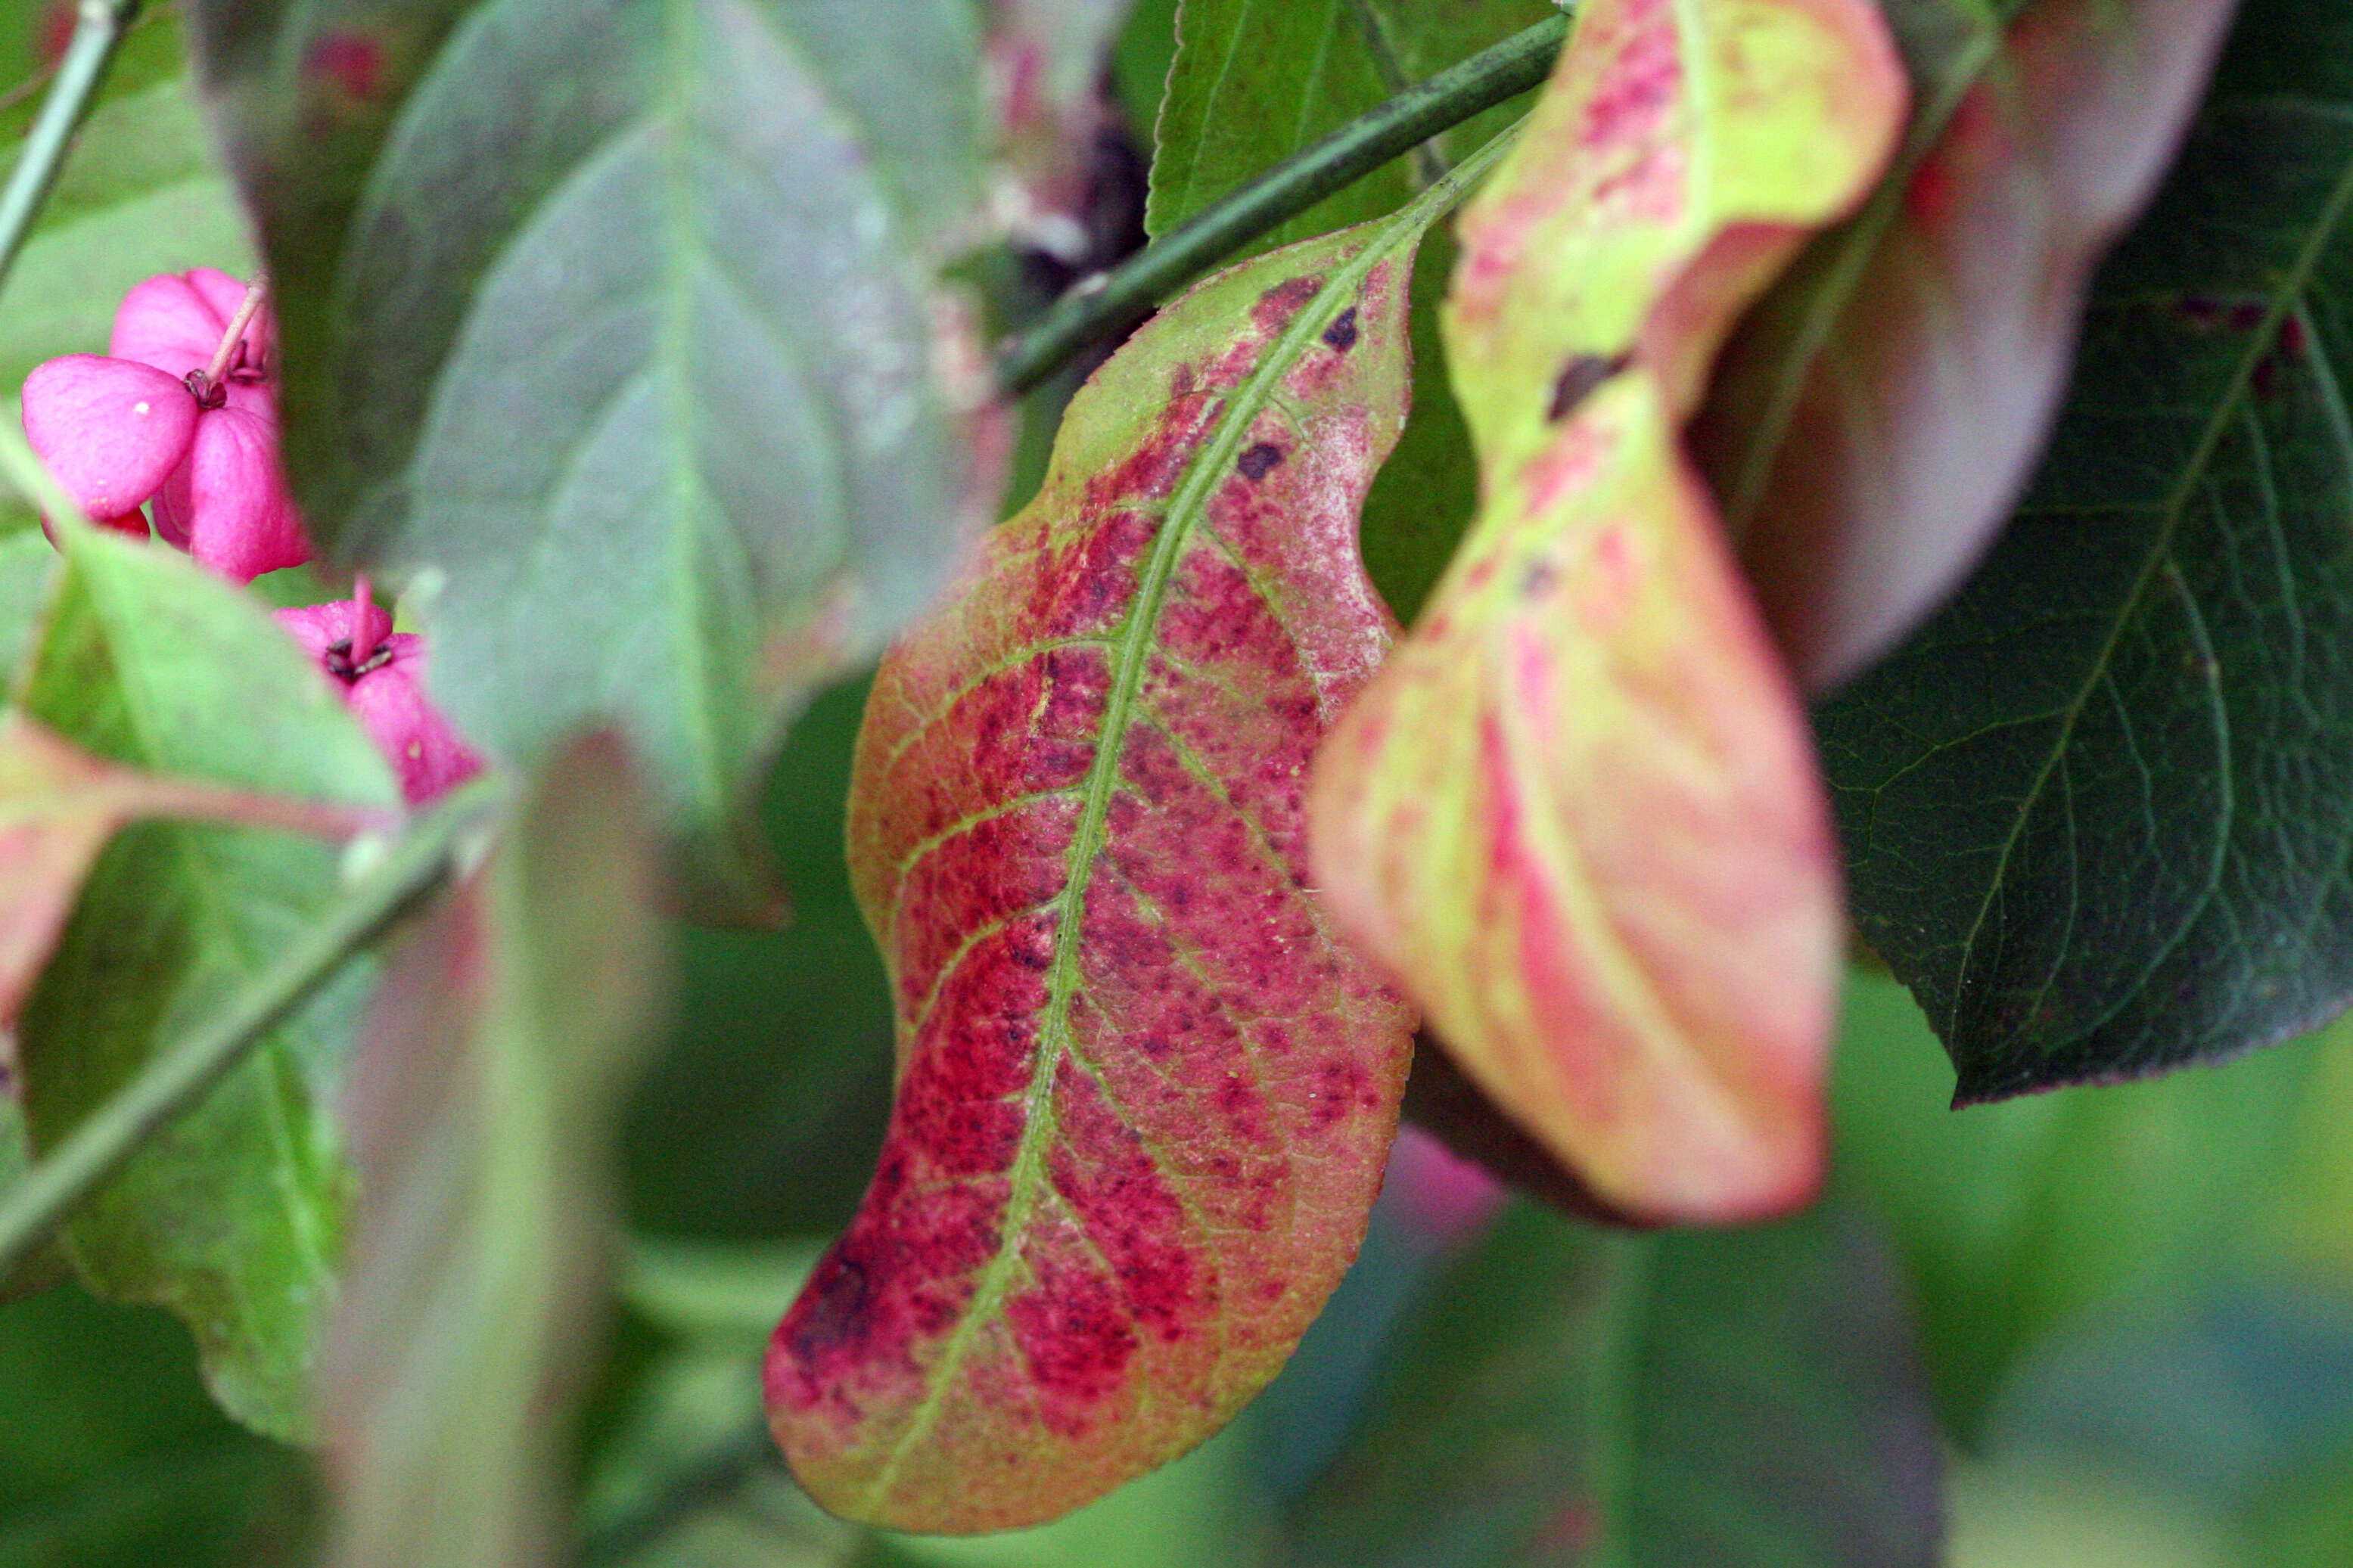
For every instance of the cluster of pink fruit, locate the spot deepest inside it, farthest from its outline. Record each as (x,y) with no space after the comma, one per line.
(181,412)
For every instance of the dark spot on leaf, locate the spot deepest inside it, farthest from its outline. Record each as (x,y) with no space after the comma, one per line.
(352,61)
(1260,461)
(1538,578)
(2204,311)
(832,1318)
(1342,334)
(1578,380)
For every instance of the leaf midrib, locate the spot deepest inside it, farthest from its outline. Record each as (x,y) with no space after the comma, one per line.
(1187,507)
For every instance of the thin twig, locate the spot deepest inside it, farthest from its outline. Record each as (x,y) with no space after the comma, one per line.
(95,35)
(178,1078)
(47,73)
(1110,301)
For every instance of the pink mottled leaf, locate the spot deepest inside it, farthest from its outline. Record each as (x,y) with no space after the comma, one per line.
(1877,415)
(1145,1095)
(1577,812)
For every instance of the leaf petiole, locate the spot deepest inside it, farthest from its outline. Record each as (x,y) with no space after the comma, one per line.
(177,1079)
(1109,302)
(207,382)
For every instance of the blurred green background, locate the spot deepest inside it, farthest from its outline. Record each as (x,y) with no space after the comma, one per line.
(2135,1304)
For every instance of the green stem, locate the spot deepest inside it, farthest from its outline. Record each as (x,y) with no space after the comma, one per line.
(177,1079)
(1112,301)
(101,28)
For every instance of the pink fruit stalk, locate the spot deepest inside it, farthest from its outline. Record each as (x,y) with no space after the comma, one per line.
(226,503)
(380,675)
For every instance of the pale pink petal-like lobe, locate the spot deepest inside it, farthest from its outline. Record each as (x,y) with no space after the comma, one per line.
(423,747)
(227,499)
(319,627)
(110,431)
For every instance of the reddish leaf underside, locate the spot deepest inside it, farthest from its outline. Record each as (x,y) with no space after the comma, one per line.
(1875,418)
(1145,1097)
(58,805)
(1577,813)
(481,1102)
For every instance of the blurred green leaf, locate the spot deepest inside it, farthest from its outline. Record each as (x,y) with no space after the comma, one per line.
(1140,61)
(1726,1397)
(2014,1219)
(706,1292)
(626,343)
(763,1114)
(2306,1521)
(2099,813)
(2221,1398)
(111,1456)
(28,569)
(480,1104)
(232,1217)
(2056,1513)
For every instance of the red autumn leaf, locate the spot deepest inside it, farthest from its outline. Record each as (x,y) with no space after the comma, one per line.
(1578,813)
(1874,418)
(1144,1096)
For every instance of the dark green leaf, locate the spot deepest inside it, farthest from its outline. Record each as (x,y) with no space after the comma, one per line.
(482,1100)
(47,1266)
(763,1115)
(112,1458)
(623,350)
(232,1218)
(1255,80)
(1732,1398)
(2099,814)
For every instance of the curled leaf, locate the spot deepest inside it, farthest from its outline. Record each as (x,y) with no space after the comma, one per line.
(1876,416)
(1145,1095)
(1577,812)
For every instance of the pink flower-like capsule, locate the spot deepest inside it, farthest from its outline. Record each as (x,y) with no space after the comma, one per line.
(225,503)
(381,674)
(110,431)
(205,453)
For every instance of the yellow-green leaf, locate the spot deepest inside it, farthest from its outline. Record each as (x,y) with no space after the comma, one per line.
(1576,814)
